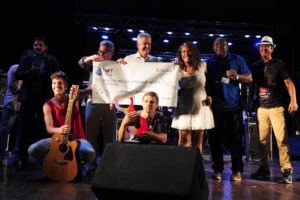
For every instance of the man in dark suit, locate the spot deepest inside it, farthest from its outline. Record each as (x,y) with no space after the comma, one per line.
(35,71)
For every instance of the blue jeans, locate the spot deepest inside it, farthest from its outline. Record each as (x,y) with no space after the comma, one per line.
(8,120)
(40,149)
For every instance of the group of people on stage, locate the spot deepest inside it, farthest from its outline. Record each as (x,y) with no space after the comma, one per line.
(208,99)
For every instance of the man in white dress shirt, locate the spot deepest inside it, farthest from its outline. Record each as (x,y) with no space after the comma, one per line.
(143,44)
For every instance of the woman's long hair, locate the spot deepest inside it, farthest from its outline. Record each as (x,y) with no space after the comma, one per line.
(195,56)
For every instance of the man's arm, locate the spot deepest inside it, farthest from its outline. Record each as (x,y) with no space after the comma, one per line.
(85,64)
(64,129)
(151,136)
(293,106)
(245,78)
(130,119)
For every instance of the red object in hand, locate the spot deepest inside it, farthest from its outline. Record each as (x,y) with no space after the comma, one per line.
(143,126)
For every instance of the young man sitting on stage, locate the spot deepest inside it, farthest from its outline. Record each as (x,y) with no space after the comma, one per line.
(156,129)
(55,111)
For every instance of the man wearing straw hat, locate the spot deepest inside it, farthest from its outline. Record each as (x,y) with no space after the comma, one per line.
(270,79)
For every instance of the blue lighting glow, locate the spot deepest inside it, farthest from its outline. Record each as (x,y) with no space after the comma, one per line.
(255,44)
(134,39)
(229,43)
(142,31)
(166,41)
(246,36)
(170,33)
(211,35)
(130,30)
(258,36)
(221,35)
(187,34)
(105,37)
(195,42)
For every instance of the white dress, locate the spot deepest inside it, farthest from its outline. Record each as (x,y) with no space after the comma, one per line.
(191,112)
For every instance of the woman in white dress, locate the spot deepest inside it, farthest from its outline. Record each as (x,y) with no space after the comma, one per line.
(193,114)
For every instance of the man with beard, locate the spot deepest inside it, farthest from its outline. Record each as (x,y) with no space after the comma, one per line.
(225,72)
(35,71)
(270,79)
(156,128)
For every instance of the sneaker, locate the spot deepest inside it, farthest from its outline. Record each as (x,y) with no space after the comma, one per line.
(287,177)
(262,172)
(217,176)
(236,176)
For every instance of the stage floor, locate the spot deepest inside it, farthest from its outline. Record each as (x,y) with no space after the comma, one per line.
(31,184)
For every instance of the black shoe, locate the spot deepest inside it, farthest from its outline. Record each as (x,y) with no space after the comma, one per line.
(217,176)
(262,172)
(287,177)
(236,176)
(20,164)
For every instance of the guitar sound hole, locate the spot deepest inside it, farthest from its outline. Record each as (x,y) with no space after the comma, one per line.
(63,148)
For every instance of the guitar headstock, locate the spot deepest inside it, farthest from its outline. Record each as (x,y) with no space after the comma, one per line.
(73,92)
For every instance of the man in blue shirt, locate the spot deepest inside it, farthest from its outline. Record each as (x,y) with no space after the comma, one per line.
(225,72)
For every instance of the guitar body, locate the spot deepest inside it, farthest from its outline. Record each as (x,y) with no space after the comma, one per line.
(60,164)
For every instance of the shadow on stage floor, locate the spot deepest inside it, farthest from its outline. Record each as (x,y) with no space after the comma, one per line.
(30,183)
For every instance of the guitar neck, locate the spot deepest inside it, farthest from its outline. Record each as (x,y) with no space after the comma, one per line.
(68,118)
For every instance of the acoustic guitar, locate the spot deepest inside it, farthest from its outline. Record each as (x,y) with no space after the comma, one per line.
(60,164)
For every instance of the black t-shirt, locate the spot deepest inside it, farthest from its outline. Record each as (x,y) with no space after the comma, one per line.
(268,80)
(157,123)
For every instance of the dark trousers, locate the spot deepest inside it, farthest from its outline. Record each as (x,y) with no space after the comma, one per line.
(228,132)
(9,117)
(32,128)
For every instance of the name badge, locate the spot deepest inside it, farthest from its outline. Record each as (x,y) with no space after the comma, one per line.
(225,80)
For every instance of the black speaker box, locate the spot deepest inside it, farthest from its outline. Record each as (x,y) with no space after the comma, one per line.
(160,172)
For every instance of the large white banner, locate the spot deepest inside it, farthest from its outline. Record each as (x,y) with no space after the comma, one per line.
(112,80)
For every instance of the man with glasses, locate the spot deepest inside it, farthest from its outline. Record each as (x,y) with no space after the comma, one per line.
(95,112)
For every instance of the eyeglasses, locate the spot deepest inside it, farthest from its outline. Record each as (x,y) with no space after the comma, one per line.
(104,52)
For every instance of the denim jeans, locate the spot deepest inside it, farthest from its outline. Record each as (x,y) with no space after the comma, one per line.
(40,149)
(7,123)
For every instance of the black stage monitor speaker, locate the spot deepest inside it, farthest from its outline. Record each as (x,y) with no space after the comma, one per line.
(160,172)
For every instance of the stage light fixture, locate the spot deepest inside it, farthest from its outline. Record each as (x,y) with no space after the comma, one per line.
(169,33)
(105,37)
(134,39)
(247,36)
(187,34)
(221,35)
(106,28)
(229,43)
(166,41)
(142,31)
(130,30)
(195,42)
(211,35)
(94,28)
(258,36)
